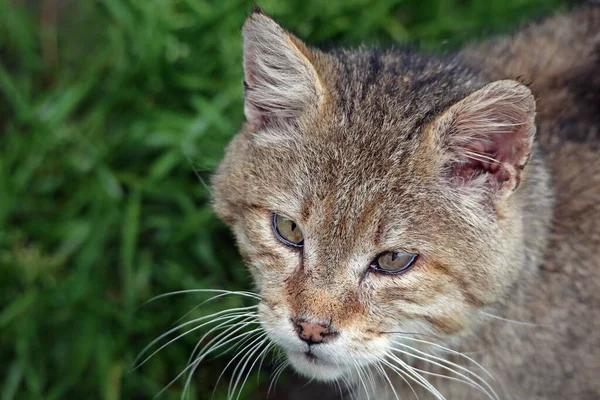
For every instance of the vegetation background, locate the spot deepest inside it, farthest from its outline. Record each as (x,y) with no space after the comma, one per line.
(113,113)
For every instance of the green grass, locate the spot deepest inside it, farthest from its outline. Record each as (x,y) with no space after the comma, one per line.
(112,115)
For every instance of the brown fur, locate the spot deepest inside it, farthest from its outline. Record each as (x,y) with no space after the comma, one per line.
(375,158)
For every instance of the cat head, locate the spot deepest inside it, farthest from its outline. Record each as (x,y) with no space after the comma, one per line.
(373,195)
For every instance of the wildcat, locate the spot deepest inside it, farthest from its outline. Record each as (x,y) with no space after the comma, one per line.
(422,226)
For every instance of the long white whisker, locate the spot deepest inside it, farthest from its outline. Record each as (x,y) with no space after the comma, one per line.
(249,320)
(512,320)
(384,374)
(221,336)
(201,357)
(259,334)
(351,389)
(253,364)
(451,352)
(484,390)
(357,368)
(236,346)
(276,374)
(371,379)
(404,375)
(339,386)
(175,329)
(212,321)
(239,293)
(201,304)
(219,339)
(269,347)
(473,385)
(247,353)
(414,376)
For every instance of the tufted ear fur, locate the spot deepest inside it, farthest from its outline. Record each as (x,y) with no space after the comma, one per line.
(280,80)
(487,137)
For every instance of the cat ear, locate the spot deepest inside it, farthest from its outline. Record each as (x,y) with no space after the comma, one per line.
(487,137)
(280,80)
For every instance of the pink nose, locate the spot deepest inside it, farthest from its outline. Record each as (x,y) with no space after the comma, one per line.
(313,333)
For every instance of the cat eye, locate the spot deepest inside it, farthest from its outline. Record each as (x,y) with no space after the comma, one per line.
(393,262)
(287,231)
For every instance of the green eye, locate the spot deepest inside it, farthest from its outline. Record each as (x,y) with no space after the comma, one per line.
(393,262)
(287,231)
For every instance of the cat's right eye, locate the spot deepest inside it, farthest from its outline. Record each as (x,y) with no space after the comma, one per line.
(287,231)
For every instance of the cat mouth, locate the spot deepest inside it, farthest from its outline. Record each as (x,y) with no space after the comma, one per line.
(314,367)
(310,357)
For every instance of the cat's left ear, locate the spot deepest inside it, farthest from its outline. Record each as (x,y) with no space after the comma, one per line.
(486,138)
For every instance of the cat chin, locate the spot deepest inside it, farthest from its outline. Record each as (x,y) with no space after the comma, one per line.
(315,369)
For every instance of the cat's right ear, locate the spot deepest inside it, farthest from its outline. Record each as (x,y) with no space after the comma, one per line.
(280,79)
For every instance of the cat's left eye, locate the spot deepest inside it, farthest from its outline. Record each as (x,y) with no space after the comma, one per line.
(392,262)
(287,231)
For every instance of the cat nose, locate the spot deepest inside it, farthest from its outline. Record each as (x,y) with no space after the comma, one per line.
(313,333)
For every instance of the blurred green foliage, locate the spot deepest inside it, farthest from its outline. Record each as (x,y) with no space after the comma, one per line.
(113,113)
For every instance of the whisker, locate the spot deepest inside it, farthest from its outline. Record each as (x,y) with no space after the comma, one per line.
(414,376)
(187,291)
(371,378)
(234,311)
(404,374)
(224,332)
(348,385)
(260,334)
(445,361)
(220,342)
(221,336)
(197,173)
(197,361)
(339,386)
(513,321)
(458,353)
(249,320)
(236,346)
(145,350)
(475,386)
(411,333)
(247,352)
(226,339)
(384,374)
(276,374)
(252,365)
(236,327)
(271,346)
(448,369)
(356,367)
(200,305)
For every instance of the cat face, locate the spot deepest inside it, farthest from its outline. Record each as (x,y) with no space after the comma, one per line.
(373,197)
